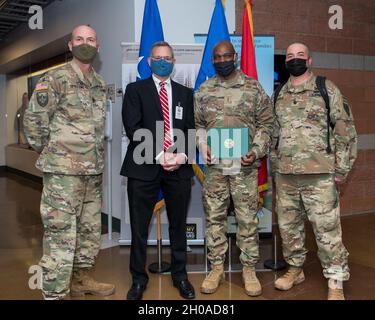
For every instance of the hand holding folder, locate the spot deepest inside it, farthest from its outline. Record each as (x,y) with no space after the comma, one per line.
(230,143)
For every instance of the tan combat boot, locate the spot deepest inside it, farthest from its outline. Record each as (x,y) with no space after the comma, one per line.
(214,279)
(288,280)
(252,284)
(335,290)
(83,284)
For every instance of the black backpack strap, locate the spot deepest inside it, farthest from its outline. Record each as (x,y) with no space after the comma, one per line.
(275,96)
(321,84)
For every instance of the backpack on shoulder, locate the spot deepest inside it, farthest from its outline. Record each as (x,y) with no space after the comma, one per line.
(321,85)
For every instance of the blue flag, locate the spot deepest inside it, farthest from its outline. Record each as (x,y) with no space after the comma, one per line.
(152,31)
(218,31)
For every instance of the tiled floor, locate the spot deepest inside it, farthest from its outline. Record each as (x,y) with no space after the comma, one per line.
(21,241)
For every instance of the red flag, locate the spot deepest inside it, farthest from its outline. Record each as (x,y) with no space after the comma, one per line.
(248,67)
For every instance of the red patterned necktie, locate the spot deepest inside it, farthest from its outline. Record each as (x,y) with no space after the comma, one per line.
(165,107)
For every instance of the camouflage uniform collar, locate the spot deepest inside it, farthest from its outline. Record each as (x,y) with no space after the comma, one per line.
(239,79)
(93,76)
(308,85)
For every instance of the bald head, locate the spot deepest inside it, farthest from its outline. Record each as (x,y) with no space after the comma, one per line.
(298,62)
(83,30)
(83,35)
(223,58)
(297,50)
(224,46)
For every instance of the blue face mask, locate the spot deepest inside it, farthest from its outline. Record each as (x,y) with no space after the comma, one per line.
(161,67)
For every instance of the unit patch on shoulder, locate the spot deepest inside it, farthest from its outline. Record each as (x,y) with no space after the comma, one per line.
(42,98)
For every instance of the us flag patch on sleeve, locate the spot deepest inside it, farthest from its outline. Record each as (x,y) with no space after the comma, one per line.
(41,86)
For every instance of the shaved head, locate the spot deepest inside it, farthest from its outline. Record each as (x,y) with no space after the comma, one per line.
(83,35)
(298,62)
(223,55)
(224,46)
(83,30)
(298,48)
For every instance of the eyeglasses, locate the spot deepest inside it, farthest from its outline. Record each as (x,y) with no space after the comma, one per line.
(166,58)
(225,56)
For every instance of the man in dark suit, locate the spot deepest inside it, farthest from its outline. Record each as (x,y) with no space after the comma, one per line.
(151,104)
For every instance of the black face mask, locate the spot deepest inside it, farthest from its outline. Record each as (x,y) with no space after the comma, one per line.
(225,68)
(297,67)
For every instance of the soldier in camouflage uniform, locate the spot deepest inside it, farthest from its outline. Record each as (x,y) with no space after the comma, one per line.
(232,100)
(65,124)
(306,173)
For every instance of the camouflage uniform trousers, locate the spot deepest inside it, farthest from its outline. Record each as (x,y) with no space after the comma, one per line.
(71,214)
(316,196)
(243,188)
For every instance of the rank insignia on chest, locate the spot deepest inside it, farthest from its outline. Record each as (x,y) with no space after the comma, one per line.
(42,98)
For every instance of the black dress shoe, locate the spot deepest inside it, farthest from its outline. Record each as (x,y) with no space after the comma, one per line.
(185,288)
(136,291)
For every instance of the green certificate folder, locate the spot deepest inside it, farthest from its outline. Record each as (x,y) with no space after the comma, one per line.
(228,143)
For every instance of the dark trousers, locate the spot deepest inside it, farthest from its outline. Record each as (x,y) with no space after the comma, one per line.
(142,197)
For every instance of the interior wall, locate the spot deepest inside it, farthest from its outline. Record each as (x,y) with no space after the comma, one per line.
(114,22)
(347,57)
(182,19)
(307,21)
(3,134)
(15,87)
(358,193)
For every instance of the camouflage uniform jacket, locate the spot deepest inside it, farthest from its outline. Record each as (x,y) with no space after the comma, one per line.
(65,121)
(235,103)
(301,131)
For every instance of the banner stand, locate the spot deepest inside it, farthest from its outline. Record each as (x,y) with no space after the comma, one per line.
(275,264)
(160,266)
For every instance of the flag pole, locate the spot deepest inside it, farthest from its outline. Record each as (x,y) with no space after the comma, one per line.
(160,266)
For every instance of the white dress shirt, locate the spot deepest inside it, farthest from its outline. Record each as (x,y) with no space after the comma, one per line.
(168,87)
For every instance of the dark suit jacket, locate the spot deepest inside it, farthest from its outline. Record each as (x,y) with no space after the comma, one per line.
(140,110)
